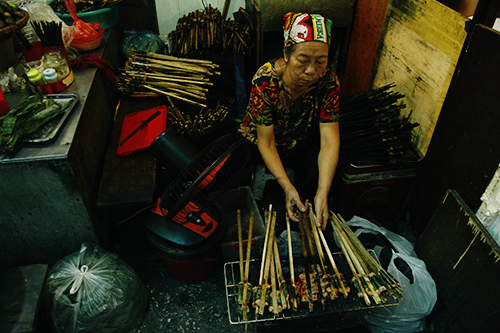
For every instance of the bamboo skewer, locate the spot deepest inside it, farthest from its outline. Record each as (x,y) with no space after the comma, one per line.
(267,265)
(306,261)
(174,96)
(244,306)
(264,249)
(391,284)
(294,287)
(353,269)
(332,262)
(282,282)
(274,292)
(240,243)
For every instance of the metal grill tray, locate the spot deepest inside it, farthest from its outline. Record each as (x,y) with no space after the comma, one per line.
(49,130)
(340,304)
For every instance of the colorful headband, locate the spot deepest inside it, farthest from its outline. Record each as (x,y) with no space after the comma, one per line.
(302,27)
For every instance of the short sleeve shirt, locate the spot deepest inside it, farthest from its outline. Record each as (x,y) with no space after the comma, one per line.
(294,120)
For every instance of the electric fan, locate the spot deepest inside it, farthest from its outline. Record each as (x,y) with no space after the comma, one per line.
(186,222)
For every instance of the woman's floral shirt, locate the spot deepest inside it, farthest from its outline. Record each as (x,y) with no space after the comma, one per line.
(294,121)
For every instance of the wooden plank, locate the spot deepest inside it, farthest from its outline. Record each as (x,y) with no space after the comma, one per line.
(420,46)
(363,45)
(462,258)
(130,180)
(20,291)
(464,153)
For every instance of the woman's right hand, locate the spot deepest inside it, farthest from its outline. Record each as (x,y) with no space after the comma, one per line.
(293,200)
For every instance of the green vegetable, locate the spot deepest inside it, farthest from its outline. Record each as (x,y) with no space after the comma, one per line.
(26,119)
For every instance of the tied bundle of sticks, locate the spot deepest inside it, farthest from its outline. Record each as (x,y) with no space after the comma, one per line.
(274,294)
(183,79)
(319,281)
(373,130)
(206,31)
(369,278)
(202,123)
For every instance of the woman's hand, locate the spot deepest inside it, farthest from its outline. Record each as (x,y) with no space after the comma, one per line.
(293,200)
(321,210)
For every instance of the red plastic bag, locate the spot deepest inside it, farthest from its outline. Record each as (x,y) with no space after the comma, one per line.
(84,32)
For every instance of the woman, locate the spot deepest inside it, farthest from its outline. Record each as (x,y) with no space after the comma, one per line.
(292,116)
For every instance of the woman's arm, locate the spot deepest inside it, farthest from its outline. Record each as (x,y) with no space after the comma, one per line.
(267,147)
(327,164)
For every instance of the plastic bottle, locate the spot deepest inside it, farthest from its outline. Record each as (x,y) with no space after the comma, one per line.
(35,77)
(50,75)
(16,83)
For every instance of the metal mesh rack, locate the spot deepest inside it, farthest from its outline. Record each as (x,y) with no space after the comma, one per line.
(340,304)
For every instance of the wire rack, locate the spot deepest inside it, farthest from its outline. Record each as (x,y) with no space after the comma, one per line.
(340,304)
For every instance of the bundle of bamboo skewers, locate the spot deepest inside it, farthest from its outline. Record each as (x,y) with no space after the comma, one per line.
(180,78)
(200,124)
(319,278)
(373,131)
(207,31)
(369,278)
(316,282)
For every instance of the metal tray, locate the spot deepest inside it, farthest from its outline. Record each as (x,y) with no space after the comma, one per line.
(49,130)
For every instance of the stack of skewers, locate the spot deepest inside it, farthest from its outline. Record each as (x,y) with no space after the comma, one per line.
(369,277)
(199,124)
(206,32)
(319,279)
(373,131)
(180,78)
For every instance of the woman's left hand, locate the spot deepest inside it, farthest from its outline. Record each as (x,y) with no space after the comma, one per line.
(321,210)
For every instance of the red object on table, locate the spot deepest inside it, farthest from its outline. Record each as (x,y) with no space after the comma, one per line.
(145,136)
(4,106)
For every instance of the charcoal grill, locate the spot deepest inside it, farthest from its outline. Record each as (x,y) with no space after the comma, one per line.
(339,305)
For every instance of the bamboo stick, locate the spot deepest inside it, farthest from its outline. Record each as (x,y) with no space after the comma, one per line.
(292,269)
(174,96)
(244,307)
(267,265)
(240,243)
(350,262)
(332,262)
(266,238)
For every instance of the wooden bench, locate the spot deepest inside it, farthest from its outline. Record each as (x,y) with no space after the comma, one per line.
(128,183)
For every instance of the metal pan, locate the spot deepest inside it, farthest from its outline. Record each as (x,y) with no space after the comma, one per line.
(50,129)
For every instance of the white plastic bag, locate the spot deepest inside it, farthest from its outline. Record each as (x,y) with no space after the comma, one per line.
(93,291)
(419,297)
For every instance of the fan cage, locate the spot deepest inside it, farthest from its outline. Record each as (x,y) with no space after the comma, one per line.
(211,172)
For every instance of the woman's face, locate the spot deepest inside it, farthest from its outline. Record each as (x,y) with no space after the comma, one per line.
(307,63)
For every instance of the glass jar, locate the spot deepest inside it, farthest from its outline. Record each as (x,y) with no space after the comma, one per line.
(58,62)
(50,75)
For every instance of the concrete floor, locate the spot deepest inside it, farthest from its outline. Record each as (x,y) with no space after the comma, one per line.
(202,307)
(175,306)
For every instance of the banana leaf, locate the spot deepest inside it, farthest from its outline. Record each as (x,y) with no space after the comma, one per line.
(26,119)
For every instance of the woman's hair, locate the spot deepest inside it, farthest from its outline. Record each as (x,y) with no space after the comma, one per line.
(287,51)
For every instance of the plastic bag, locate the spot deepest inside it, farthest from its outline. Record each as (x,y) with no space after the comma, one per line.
(84,32)
(142,40)
(93,291)
(43,12)
(419,295)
